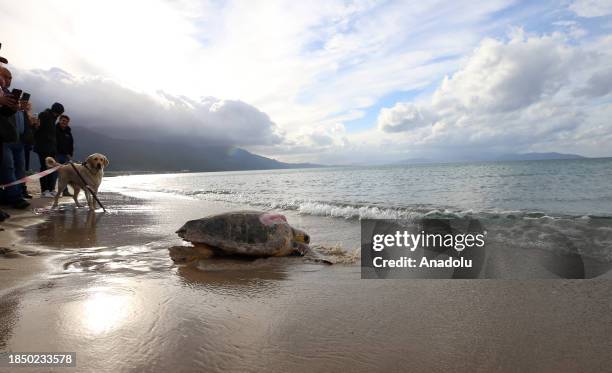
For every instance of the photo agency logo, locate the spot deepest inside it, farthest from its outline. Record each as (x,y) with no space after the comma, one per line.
(471,248)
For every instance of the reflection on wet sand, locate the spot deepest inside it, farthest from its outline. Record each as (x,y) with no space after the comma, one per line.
(234,276)
(103,311)
(70,228)
(127,221)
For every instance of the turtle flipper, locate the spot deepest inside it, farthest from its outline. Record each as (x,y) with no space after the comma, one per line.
(308,253)
(319,260)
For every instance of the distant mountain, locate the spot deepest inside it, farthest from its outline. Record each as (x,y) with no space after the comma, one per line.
(172,155)
(537,156)
(416,161)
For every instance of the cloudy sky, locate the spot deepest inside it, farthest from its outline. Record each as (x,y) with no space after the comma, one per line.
(326,81)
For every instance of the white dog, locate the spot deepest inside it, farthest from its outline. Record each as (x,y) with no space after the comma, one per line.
(92,171)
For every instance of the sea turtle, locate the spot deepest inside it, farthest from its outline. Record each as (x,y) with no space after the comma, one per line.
(240,233)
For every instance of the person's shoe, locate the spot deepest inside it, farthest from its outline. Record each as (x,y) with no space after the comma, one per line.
(21,204)
(66,194)
(47,194)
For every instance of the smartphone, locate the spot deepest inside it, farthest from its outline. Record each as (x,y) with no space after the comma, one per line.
(25,97)
(16,93)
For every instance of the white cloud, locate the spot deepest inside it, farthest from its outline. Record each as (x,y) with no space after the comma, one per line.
(124,113)
(404,116)
(500,77)
(592,8)
(531,93)
(323,139)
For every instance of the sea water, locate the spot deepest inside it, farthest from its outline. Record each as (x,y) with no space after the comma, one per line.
(553,187)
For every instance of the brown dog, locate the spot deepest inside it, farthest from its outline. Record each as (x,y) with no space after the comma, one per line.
(92,171)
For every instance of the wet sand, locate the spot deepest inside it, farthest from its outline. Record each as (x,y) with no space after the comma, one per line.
(20,263)
(113,296)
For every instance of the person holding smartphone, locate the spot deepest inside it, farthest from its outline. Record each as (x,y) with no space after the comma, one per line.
(8,104)
(13,162)
(7,131)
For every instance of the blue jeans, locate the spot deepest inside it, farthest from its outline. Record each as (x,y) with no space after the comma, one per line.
(12,168)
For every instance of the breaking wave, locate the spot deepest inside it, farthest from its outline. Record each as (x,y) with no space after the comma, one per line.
(344,210)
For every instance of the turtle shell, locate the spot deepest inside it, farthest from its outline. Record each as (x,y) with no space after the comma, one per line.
(251,233)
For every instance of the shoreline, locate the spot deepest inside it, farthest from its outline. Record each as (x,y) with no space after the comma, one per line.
(20,263)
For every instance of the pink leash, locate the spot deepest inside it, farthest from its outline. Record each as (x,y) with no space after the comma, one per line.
(31,177)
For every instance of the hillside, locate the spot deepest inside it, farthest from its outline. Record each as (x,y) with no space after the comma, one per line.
(141,155)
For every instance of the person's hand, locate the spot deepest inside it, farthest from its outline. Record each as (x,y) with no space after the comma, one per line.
(9,101)
(34,121)
(25,106)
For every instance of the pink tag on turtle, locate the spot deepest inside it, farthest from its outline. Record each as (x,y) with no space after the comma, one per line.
(270,219)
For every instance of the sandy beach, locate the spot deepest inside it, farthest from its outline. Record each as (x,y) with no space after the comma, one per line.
(19,263)
(107,290)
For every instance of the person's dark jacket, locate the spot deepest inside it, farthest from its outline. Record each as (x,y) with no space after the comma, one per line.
(8,131)
(65,142)
(45,138)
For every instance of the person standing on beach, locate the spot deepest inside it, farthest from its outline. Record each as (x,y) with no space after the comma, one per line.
(65,144)
(45,145)
(8,132)
(27,139)
(12,167)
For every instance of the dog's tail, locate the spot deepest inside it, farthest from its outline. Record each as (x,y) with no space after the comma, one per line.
(50,162)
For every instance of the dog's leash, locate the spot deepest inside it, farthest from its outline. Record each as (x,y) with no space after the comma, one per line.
(33,177)
(87,186)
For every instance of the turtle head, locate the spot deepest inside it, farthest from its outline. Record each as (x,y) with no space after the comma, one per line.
(300,236)
(182,232)
(183,254)
(301,240)
(191,231)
